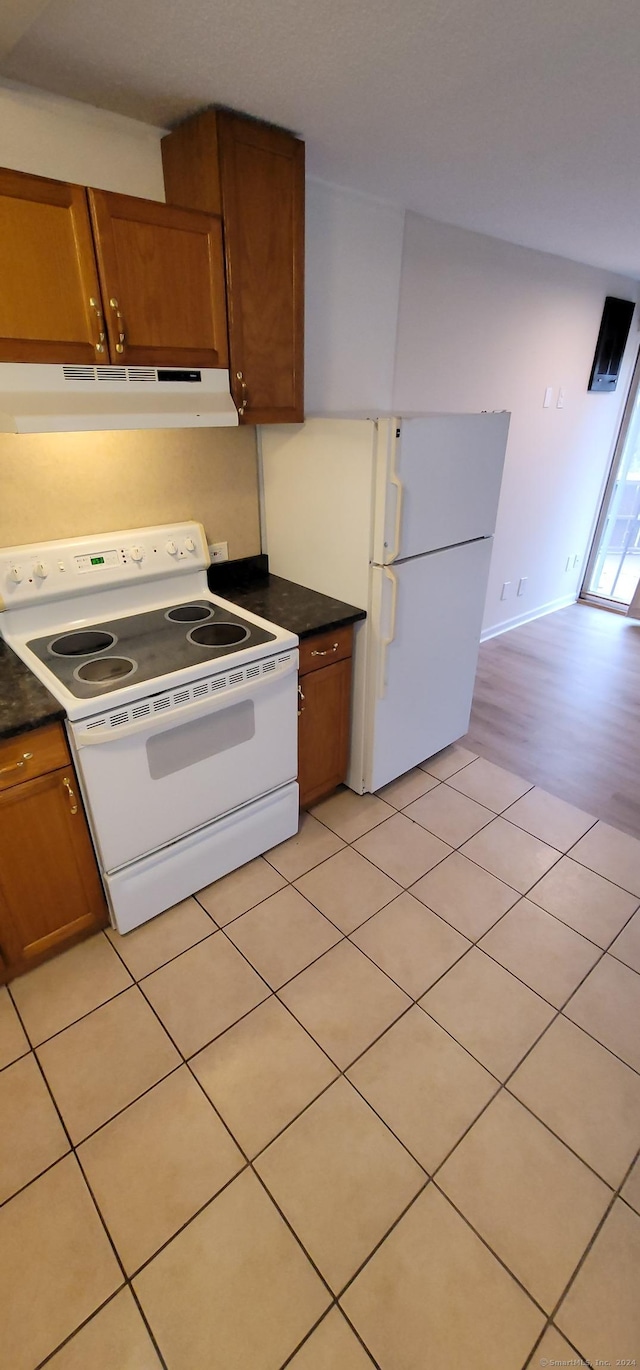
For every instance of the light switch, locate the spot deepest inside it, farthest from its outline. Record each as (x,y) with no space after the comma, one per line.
(560,400)
(548,396)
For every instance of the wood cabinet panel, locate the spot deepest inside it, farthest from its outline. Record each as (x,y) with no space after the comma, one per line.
(48,274)
(325,648)
(323,730)
(32,754)
(50,891)
(190,163)
(162,275)
(262,179)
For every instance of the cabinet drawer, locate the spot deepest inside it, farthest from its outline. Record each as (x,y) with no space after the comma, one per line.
(325,648)
(32,754)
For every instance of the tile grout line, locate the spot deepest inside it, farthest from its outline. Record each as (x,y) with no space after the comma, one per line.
(248,1163)
(73,1152)
(557,1306)
(341,1073)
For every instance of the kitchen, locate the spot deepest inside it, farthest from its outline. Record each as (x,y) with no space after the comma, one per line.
(115,480)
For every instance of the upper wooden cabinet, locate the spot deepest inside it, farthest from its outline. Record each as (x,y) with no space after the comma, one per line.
(91,276)
(48,273)
(256,174)
(162,272)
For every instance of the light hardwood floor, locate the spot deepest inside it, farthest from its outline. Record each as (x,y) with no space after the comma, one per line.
(558,701)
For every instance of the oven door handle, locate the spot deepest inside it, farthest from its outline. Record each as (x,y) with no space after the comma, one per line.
(84,737)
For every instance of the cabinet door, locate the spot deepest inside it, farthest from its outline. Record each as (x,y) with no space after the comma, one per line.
(50,890)
(323,730)
(162,275)
(49,294)
(262,178)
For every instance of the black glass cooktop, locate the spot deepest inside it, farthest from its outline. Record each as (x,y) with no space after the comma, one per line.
(124,651)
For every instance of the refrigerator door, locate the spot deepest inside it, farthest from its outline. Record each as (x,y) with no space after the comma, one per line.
(426,616)
(438,482)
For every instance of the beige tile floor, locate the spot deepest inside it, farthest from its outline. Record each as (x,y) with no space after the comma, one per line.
(373,1099)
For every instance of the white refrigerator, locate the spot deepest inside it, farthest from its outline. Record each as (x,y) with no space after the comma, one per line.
(395,515)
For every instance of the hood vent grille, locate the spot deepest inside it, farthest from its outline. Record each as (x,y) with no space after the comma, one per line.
(79,373)
(110,373)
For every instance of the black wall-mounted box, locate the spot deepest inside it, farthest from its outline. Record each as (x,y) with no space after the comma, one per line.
(612,340)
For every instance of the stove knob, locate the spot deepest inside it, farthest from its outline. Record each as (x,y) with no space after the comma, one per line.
(190,544)
(136,553)
(16,574)
(172,548)
(40,570)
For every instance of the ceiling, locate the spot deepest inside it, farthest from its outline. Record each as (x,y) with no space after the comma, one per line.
(514,118)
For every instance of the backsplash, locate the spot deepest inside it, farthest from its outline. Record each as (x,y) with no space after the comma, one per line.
(69,484)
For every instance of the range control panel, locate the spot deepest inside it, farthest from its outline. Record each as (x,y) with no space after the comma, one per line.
(53,570)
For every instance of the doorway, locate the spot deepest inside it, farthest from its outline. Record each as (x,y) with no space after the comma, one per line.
(613,568)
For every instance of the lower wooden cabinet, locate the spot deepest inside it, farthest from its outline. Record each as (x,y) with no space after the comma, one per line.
(50,889)
(324,714)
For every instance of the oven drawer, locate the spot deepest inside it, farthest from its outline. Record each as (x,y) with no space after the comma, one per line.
(157,780)
(32,754)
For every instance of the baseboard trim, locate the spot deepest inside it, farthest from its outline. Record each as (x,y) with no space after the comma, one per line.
(528,617)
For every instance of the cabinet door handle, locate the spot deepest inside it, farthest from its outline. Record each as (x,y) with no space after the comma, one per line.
(73,806)
(327,652)
(99,345)
(116,307)
(17,765)
(245,393)
(301,699)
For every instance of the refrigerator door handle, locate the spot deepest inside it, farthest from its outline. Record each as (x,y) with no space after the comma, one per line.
(394,480)
(385,642)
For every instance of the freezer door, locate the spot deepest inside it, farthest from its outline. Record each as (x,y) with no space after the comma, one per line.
(425,632)
(441,484)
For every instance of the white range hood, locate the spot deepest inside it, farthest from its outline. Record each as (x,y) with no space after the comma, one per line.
(38,398)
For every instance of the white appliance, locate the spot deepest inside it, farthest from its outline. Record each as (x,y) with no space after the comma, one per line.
(395,515)
(41,398)
(182,712)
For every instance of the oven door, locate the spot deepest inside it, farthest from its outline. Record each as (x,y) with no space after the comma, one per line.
(157,779)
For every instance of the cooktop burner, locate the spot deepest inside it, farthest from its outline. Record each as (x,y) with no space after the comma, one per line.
(150,644)
(105,669)
(81,643)
(218,635)
(188,613)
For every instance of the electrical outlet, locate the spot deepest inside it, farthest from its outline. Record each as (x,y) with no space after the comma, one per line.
(522,584)
(219,551)
(505,590)
(560,399)
(576,561)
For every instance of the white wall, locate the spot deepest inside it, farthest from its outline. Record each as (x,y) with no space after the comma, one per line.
(353,261)
(50,136)
(484,324)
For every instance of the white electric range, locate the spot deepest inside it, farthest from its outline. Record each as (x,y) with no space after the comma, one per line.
(182,712)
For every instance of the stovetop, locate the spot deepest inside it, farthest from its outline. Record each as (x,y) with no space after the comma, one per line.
(101,657)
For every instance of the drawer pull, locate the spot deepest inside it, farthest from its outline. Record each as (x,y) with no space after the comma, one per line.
(328,651)
(301,699)
(72,799)
(17,765)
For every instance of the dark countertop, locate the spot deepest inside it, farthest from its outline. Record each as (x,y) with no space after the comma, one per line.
(250,585)
(24,703)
